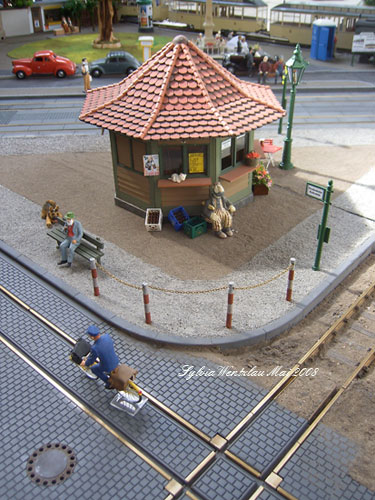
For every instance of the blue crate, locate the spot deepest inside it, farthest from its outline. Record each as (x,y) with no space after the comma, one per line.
(177,217)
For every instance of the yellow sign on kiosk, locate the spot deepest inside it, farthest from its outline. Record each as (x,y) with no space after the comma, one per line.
(196,163)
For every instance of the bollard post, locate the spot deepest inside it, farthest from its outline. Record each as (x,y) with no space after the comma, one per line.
(230,305)
(146,302)
(290,280)
(94,274)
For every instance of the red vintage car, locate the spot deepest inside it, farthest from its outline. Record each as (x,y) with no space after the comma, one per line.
(44,62)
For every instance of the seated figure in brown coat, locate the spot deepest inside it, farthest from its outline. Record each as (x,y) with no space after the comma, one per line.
(218,211)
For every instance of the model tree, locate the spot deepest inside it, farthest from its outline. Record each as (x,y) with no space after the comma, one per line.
(105,16)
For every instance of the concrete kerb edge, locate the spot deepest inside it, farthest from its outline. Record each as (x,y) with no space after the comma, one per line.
(258,335)
(321,291)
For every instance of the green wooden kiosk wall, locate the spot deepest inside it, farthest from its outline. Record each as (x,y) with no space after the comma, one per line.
(137,192)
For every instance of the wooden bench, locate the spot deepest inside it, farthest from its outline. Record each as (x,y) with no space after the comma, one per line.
(90,246)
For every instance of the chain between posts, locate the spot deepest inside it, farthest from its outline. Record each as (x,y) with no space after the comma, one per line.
(192,292)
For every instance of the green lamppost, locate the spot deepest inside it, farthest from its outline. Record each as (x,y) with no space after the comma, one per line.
(296,66)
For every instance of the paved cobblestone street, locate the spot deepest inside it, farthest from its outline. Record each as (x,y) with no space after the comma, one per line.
(36,411)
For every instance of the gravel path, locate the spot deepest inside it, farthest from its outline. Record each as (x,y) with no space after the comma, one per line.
(352,219)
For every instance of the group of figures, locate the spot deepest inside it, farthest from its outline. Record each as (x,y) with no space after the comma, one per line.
(218,44)
(67,25)
(243,57)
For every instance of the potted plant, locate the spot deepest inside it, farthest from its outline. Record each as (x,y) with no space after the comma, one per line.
(261,180)
(251,159)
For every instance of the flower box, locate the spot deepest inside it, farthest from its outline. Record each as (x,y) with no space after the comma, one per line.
(260,190)
(154,219)
(251,159)
(251,162)
(195,227)
(261,180)
(177,217)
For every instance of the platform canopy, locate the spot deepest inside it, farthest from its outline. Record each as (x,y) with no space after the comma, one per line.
(181,93)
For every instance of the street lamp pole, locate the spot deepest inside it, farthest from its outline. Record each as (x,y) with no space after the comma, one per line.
(284,81)
(286,163)
(296,66)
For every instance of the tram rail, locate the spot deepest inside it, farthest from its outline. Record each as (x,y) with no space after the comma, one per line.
(270,477)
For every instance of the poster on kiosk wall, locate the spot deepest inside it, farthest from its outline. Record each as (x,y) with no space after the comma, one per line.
(150,165)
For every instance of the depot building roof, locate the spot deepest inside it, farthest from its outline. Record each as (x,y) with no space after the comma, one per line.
(181,93)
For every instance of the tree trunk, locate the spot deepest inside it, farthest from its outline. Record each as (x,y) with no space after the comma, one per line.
(105,15)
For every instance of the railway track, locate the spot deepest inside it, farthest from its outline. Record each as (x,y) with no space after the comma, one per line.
(213,442)
(51,115)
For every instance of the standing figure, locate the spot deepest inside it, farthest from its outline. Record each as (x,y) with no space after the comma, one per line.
(70,24)
(239,45)
(244,45)
(86,75)
(217,41)
(104,350)
(200,41)
(74,233)
(279,68)
(264,69)
(64,25)
(218,211)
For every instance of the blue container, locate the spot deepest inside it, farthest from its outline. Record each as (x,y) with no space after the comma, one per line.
(177,217)
(322,42)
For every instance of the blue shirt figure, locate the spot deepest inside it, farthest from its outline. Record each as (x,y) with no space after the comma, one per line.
(74,234)
(104,350)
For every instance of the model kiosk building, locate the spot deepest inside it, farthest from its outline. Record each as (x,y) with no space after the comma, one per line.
(193,117)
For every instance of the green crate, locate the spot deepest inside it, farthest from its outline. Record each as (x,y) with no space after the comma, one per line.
(195,226)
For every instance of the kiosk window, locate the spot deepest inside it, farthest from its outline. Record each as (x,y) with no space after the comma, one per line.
(240,147)
(226,154)
(172,160)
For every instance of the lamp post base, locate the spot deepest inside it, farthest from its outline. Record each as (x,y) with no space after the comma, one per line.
(286,163)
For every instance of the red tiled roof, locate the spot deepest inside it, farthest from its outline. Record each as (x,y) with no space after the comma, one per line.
(181,93)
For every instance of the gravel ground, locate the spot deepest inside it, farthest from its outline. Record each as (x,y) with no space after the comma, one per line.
(352,219)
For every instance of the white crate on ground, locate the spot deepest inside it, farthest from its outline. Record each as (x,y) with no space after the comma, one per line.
(154,219)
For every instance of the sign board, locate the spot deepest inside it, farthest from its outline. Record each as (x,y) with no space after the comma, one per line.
(364,42)
(226,144)
(315,191)
(196,163)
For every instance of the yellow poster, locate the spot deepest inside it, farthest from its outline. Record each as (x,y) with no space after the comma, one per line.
(196,163)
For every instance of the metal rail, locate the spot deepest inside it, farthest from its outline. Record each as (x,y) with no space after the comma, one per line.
(219,443)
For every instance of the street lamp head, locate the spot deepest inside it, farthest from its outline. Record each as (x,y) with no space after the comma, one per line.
(296,66)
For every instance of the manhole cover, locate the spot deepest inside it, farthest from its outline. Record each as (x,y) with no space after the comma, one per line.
(51,464)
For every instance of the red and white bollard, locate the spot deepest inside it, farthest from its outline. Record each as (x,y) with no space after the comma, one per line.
(230,305)
(290,280)
(146,302)
(94,274)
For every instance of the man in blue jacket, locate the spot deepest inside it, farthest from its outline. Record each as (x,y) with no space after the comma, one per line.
(104,350)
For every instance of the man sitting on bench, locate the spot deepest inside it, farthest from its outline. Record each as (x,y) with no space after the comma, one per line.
(104,350)
(74,231)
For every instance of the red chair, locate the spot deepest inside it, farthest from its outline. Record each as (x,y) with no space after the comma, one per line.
(269,149)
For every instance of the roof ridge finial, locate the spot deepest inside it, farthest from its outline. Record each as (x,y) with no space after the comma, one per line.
(180,39)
